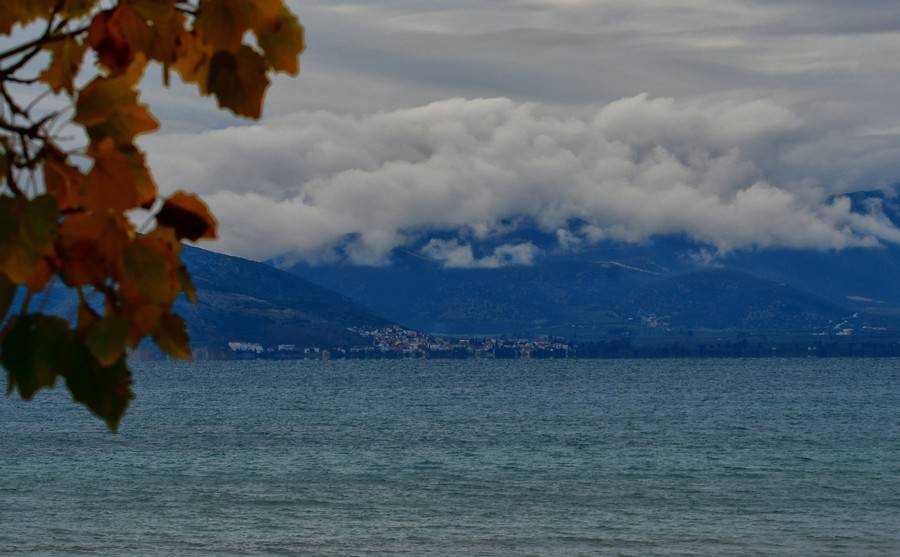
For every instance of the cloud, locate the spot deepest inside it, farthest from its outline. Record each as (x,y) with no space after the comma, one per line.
(730,171)
(455,255)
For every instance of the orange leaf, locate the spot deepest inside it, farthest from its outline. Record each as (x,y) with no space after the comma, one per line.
(90,246)
(23,12)
(108,108)
(106,37)
(192,59)
(189,216)
(147,274)
(67,57)
(62,180)
(239,81)
(282,42)
(223,23)
(77,8)
(119,179)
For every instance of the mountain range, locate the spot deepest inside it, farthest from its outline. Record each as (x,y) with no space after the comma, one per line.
(668,286)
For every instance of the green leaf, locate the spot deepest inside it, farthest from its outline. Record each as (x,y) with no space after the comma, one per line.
(107,339)
(172,337)
(106,391)
(34,352)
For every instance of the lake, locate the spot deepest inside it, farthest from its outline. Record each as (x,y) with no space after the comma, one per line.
(474,458)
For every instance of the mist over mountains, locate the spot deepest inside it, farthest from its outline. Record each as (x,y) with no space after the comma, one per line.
(671,285)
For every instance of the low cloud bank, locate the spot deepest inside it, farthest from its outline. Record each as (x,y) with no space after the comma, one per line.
(730,173)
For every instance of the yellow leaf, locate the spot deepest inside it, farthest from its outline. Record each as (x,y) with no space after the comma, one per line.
(282,42)
(239,81)
(119,180)
(67,57)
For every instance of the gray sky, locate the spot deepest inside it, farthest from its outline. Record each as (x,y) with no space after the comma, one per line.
(734,121)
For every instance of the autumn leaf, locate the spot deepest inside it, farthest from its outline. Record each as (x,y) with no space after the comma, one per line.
(67,56)
(23,12)
(107,339)
(90,247)
(239,81)
(189,216)
(147,274)
(62,180)
(77,226)
(172,337)
(222,24)
(282,41)
(27,231)
(105,36)
(187,284)
(119,180)
(77,8)
(108,108)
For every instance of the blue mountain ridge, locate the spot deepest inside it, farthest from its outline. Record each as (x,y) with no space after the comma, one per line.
(247,301)
(659,288)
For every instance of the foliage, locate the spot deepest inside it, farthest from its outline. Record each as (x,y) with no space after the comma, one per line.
(66,211)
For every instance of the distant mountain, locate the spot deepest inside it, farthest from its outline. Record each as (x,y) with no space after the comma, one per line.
(583,296)
(670,286)
(242,300)
(248,301)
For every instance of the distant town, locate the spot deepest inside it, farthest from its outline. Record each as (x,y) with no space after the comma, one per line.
(395,342)
(398,342)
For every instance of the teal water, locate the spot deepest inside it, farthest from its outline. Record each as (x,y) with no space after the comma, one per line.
(474,458)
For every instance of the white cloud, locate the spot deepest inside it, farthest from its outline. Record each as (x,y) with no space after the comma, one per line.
(456,255)
(728,171)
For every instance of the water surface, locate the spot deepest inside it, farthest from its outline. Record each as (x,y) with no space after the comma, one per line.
(475,458)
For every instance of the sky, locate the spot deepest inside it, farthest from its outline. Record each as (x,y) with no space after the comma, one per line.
(736,122)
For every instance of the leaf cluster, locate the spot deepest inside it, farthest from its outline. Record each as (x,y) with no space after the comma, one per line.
(67,214)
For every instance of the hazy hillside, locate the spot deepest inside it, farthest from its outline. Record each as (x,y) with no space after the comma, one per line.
(596,293)
(247,301)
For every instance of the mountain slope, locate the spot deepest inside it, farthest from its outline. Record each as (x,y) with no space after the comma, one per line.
(249,301)
(585,295)
(242,300)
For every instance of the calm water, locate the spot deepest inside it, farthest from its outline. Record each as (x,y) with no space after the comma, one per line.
(734,457)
